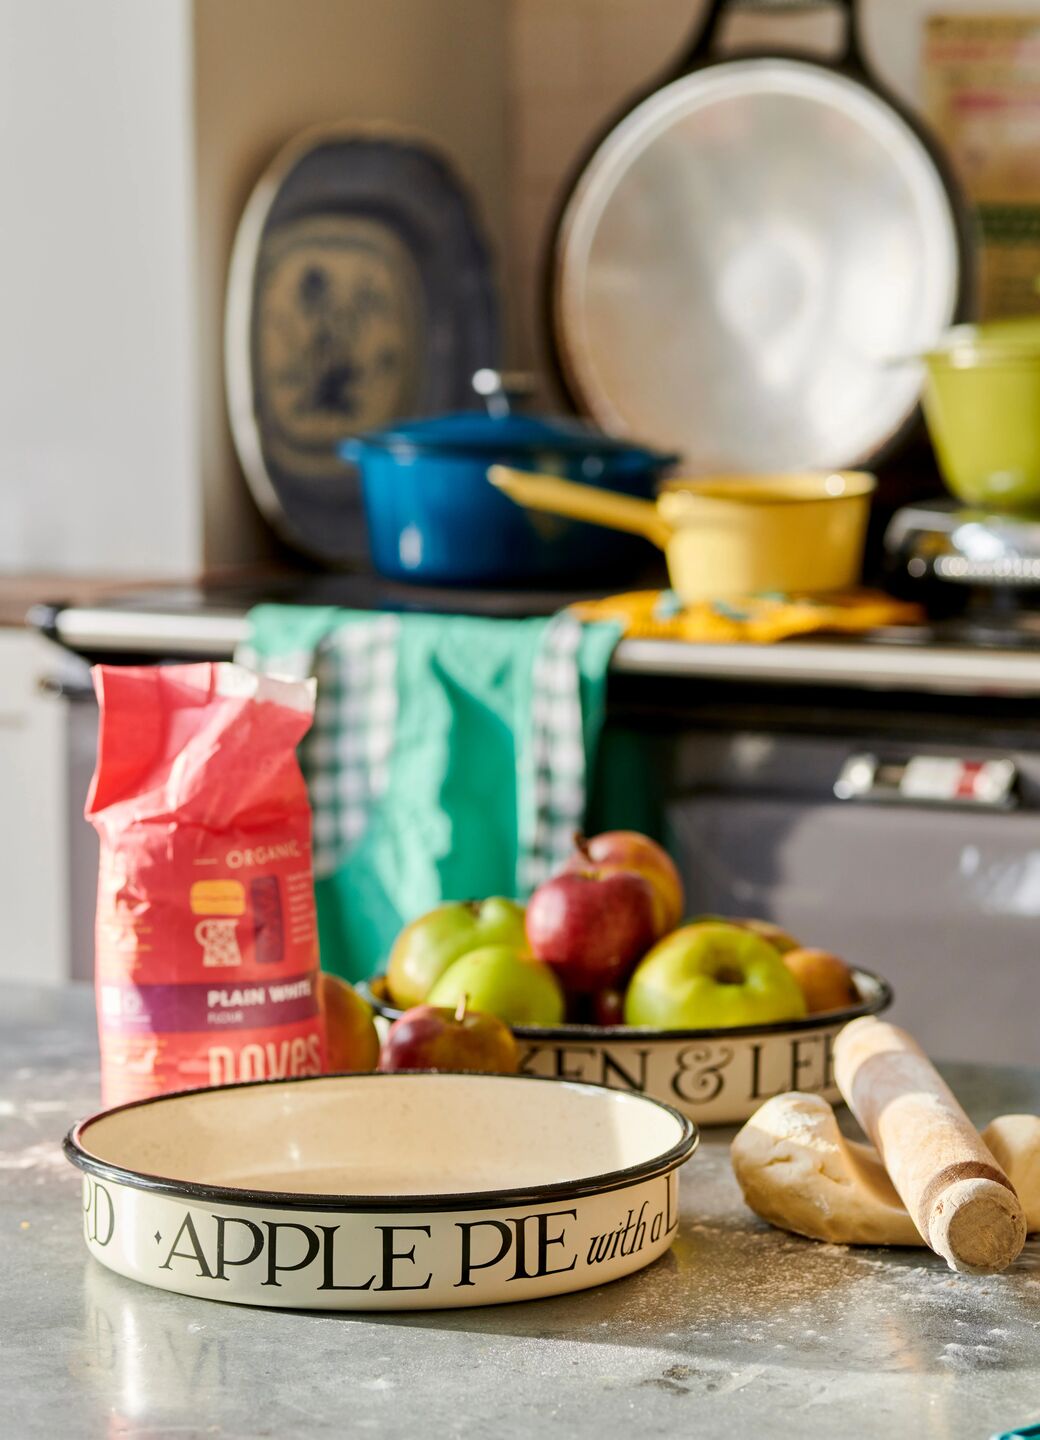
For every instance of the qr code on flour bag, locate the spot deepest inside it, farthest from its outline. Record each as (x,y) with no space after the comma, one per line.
(206,949)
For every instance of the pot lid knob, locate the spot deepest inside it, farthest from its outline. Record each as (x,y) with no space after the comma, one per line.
(501,389)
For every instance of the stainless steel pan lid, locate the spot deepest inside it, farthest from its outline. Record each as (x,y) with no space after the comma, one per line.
(742,255)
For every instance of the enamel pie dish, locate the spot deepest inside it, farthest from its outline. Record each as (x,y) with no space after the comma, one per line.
(382,1192)
(715,1077)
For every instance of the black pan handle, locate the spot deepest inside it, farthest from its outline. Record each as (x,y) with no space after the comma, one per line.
(701,47)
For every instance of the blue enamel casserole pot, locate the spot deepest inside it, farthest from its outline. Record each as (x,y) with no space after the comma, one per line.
(434,518)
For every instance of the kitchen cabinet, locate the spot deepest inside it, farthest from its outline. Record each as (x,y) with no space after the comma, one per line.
(34,832)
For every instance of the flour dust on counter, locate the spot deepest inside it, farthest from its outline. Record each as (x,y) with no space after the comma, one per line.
(740,1330)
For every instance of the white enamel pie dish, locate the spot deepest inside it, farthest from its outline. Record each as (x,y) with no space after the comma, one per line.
(715,1077)
(382,1192)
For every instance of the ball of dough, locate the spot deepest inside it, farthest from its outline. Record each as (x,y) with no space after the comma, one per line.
(798,1171)
(1015,1143)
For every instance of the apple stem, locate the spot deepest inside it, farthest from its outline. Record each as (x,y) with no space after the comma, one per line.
(581,844)
(460,1008)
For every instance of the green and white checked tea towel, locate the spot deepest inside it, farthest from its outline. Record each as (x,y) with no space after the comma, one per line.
(449,757)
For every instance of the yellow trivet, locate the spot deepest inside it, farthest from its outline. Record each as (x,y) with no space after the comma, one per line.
(758,619)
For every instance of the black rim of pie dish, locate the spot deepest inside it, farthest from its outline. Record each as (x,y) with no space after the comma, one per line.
(464,1200)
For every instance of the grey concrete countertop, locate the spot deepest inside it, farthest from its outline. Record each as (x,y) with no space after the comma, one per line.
(740,1331)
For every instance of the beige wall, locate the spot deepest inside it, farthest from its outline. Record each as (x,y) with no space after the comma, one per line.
(265,69)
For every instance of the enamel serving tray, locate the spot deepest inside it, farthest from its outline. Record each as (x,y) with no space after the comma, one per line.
(360,290)
(382,1192)
(716,1077)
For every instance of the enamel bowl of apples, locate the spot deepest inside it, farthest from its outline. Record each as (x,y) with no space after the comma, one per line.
(600,979)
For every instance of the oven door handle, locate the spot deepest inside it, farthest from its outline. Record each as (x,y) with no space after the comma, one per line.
(932,780)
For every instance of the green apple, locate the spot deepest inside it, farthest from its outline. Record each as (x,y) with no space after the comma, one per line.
(777,937)
(425,948)
(505,981)
(712,975)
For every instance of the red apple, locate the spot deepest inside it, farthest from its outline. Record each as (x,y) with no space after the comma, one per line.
(591,926)
(616,850)
(431,1037)
(608,1008)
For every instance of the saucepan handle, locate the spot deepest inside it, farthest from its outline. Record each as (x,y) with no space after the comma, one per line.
(581,502)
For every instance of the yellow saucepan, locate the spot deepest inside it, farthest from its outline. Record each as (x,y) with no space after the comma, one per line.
(728,535)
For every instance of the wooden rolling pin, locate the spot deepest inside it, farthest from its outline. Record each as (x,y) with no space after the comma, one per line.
(958,1196)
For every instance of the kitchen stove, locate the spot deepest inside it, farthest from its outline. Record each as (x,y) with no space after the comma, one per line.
(205,618)
(978,639)
(944,541)
(976,573)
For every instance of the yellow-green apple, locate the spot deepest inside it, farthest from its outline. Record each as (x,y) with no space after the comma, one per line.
(429,1037)
(351,1041)
(628,850)
(426,947)
(775,934)
(712,975)
(592,926)
(824,979)
(505,981)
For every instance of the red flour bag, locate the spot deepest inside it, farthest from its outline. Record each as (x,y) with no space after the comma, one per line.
(206,942)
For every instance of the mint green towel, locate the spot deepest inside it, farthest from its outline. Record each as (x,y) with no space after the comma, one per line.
(450,757)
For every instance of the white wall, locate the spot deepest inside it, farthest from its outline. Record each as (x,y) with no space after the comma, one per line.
(131,132)
(97,459)
(34,889)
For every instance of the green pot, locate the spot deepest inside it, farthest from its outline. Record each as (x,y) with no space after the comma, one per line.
(982,405)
